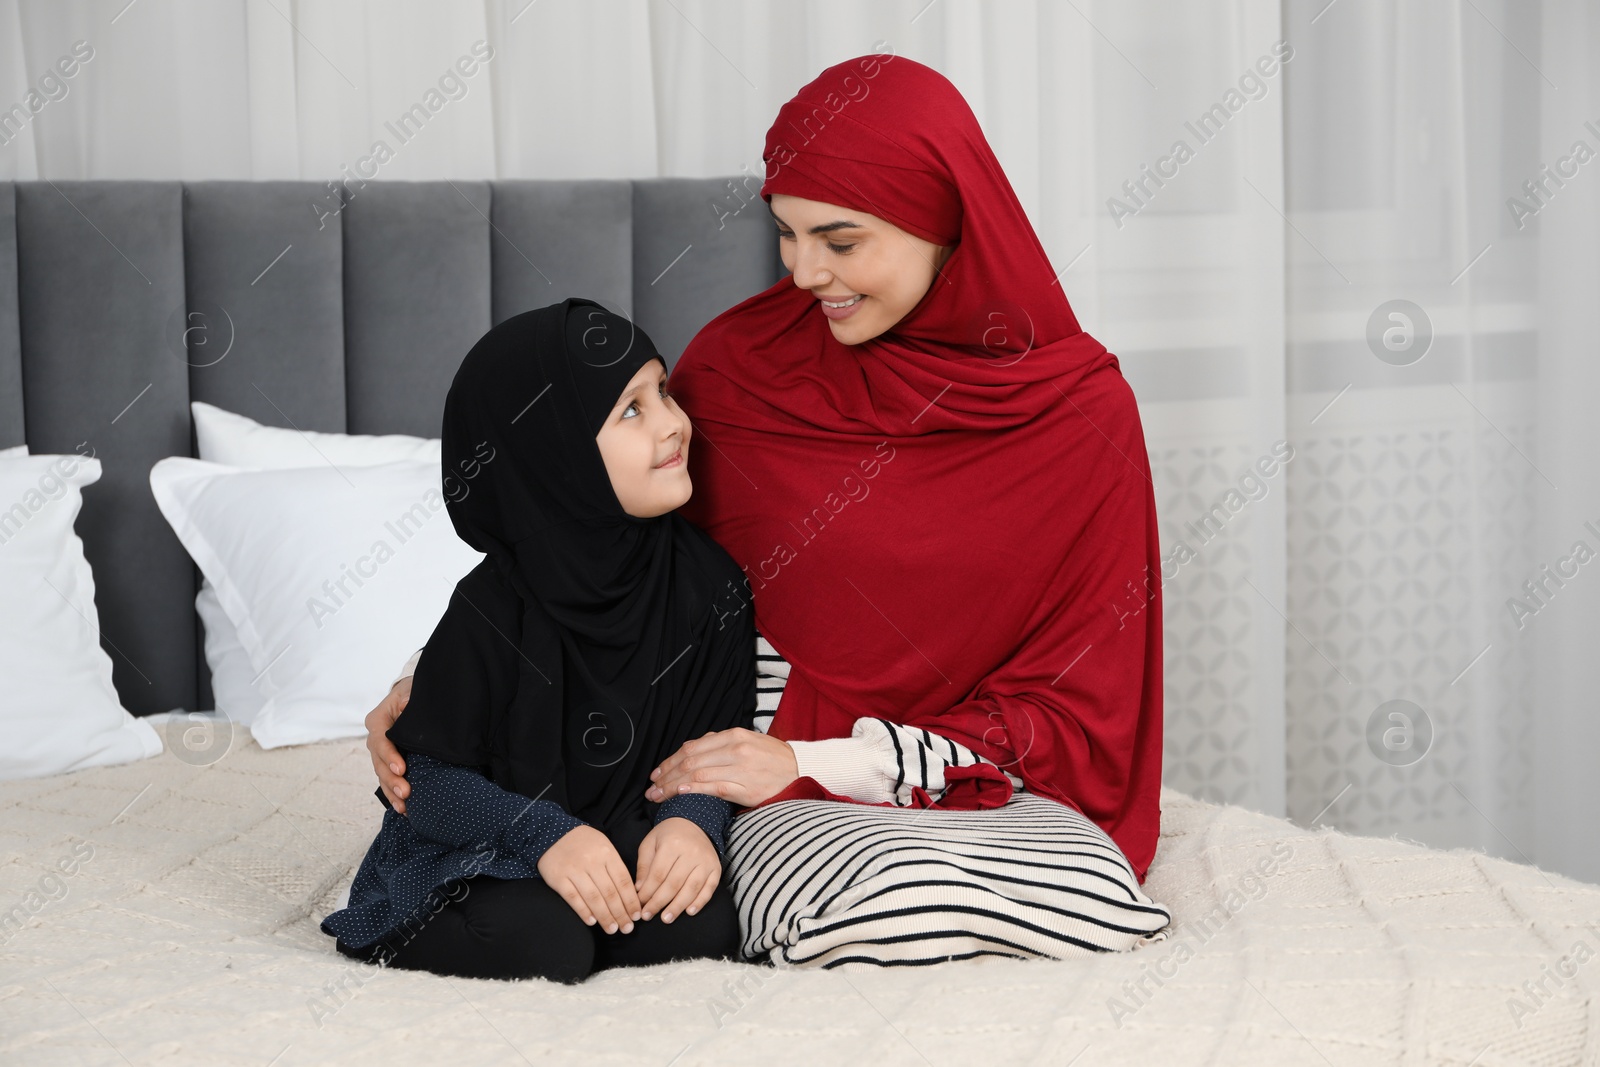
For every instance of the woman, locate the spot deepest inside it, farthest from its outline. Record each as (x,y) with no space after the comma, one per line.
(937,486)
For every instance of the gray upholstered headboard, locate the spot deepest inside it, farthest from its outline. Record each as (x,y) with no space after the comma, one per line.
(347,315)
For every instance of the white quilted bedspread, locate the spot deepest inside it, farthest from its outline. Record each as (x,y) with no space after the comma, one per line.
(186,932)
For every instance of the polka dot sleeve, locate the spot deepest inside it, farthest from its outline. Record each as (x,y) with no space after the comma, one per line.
(457,824)
(711,814)
(460,807)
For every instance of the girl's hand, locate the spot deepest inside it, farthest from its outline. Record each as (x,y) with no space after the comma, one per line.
(586,870)
(678,868)
(386,759)
(738,765)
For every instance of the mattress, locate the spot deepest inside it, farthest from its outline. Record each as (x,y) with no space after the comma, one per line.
(166,911)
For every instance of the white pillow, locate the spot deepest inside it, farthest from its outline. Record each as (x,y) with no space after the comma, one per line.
(224,437)
(238,441)
(59,711)
(324,571)
(234,691)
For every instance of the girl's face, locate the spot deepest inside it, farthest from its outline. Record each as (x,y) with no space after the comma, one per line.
(842,255)
(645,430)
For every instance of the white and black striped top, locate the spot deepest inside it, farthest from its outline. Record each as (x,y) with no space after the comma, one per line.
(880,761)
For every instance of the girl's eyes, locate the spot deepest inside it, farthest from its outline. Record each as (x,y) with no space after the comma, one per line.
(633,404)
(787,235)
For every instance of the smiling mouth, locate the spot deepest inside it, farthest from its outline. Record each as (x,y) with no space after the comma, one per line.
(674,458)
(843,303)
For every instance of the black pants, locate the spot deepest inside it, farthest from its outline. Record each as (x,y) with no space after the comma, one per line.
(521,928)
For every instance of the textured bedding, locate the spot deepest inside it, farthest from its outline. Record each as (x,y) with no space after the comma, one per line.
(164,912)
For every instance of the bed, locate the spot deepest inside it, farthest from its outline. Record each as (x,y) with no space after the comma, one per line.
(166,909)
(187,933)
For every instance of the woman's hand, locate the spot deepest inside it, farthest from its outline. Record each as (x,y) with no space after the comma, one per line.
(586,870)
(678,869)
(387,762)
(738,765)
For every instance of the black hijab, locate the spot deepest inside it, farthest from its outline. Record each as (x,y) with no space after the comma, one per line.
(619,637)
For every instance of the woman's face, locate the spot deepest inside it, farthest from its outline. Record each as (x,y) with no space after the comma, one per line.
(645,429)
(842,255)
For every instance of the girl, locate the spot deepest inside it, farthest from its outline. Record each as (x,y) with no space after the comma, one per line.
(600,632)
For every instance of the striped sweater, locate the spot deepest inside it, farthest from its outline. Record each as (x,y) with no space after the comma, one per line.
(880,762)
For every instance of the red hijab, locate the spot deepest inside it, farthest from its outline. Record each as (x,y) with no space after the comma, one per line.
(951,525)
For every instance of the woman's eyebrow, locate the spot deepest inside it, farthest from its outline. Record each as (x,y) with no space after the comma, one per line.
(828,227)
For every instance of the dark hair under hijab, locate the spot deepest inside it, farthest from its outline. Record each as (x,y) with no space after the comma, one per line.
(623,636)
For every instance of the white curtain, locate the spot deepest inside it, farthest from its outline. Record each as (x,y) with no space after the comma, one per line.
(1358,306)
